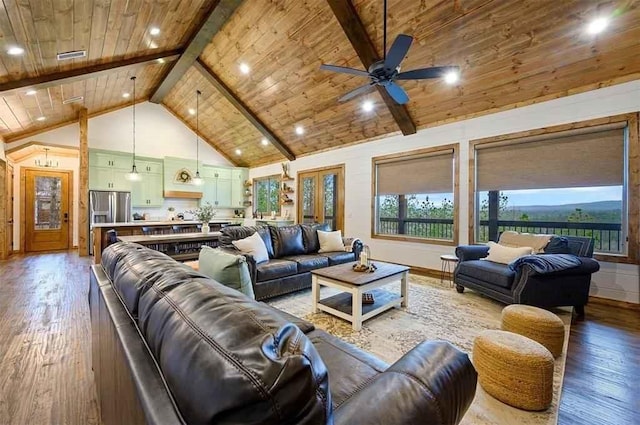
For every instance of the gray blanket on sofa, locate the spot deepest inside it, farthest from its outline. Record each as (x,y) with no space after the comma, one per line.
(546,263)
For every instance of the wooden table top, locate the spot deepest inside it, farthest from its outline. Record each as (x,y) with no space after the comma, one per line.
(345,273)
(173,237)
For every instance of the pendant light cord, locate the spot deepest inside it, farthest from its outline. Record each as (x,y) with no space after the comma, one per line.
(134,121)
(198,93)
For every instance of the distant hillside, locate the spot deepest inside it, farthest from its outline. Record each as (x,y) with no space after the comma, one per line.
(587,206)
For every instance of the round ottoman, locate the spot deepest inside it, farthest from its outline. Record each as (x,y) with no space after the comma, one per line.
(540,325)
(514,369)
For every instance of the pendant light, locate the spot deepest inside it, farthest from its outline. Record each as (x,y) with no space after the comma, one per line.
(197,180)
(133,175)
(47,163)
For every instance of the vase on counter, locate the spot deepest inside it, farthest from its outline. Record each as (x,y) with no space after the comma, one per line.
(205,228)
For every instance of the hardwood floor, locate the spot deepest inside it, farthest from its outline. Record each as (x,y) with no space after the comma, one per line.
(45,368)
(602,374)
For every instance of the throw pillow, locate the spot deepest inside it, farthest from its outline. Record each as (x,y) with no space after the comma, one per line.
(254,246)
(227,269)
(330,241)
(557,245)
(504,254)
(515,240)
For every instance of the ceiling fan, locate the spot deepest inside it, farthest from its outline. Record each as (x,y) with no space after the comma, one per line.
(386,71)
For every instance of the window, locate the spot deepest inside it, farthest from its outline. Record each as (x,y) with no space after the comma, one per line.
(414,196)
(266,193)
(566,182)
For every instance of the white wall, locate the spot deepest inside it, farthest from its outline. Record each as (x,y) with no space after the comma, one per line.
(617,281)
(158,134)
(64,164)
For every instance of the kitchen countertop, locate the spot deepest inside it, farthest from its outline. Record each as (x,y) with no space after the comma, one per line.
(138,223)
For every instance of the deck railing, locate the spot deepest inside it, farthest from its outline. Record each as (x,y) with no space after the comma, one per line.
(607,236)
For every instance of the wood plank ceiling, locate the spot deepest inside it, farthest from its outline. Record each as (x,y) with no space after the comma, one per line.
(510,54)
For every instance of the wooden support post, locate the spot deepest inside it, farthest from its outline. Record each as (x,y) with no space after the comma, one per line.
(494,208)
(4,214)
(83,197)
(402,214)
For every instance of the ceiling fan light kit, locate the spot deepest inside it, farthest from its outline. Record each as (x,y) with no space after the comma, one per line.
(385,72)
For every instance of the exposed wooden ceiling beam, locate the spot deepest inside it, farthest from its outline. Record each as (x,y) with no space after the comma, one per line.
(219,12)
(243,109)
(93,71)
(357,35)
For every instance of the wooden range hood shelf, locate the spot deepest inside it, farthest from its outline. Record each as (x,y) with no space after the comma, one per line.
(182,194)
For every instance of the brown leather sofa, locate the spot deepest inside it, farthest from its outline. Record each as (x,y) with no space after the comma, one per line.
(293,253)
(171,346)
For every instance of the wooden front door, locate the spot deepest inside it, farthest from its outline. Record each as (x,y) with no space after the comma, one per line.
(47,208)
(321,196)
(9,201)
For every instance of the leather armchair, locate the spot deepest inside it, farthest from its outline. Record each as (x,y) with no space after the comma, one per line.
(526,285)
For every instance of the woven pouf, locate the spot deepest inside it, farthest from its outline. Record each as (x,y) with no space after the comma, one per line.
(540,325)
(514,369)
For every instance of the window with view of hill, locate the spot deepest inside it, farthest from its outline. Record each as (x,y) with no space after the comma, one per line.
(572,182)
(414,195)
(266,193)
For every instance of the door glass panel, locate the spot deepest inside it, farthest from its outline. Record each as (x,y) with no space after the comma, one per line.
(47,203)
(330,199)
(308,200)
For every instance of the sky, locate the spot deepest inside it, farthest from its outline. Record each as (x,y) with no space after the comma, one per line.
(549,196)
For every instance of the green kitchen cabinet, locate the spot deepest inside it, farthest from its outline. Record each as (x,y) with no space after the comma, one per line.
(108,170)
(238,177)
(148,191)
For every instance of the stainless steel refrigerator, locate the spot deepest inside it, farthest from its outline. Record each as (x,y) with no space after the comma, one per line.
(108,207)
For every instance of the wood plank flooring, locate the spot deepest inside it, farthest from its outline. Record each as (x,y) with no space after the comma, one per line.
(45,368)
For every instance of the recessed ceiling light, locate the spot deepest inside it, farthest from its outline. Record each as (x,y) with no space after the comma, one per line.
(192,111)
(41,118)
(15,51)
(451,77)
(367,106)
(125,95)
(299,130)
(154,31)
(161,60)
(30,92)
(153,45)
(244,68)
(265,142)
(238,152)
(597,25)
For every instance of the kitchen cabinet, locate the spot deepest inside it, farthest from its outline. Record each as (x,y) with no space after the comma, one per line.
(108,170)
(148,191)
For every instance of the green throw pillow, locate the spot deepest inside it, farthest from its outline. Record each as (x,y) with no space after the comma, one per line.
(227,269)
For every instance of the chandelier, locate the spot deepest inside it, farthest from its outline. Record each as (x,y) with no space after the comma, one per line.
(47,163)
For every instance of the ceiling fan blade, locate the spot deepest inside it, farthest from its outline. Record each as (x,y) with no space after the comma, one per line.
(357,92)
(398,51)
(397,93)
(344,70)
(425,73)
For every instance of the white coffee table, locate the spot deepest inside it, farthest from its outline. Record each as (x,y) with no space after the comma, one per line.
(348,304)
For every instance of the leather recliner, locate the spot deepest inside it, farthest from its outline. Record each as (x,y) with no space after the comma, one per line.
(171,346)
(293,253)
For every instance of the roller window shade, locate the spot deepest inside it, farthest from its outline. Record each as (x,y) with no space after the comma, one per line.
(425,174)
(573,159)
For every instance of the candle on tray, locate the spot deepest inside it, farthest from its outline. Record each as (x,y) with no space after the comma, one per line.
(363,258)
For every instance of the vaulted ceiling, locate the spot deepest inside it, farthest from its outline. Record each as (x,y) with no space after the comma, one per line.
(511,53)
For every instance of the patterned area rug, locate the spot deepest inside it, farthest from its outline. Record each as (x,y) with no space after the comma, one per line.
(435,311)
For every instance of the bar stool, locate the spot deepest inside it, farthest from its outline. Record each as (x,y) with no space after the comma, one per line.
(448,264)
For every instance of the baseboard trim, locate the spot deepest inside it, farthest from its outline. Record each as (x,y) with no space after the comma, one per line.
(614,303)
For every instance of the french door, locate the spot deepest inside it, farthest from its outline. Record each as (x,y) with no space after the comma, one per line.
(47,205)
(321,196)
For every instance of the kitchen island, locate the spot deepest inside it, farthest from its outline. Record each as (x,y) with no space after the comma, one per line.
(101,236)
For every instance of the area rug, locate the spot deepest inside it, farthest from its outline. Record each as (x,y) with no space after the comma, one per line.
(435,311)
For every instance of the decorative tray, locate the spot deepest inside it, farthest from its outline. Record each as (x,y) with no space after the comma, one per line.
(364,269)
